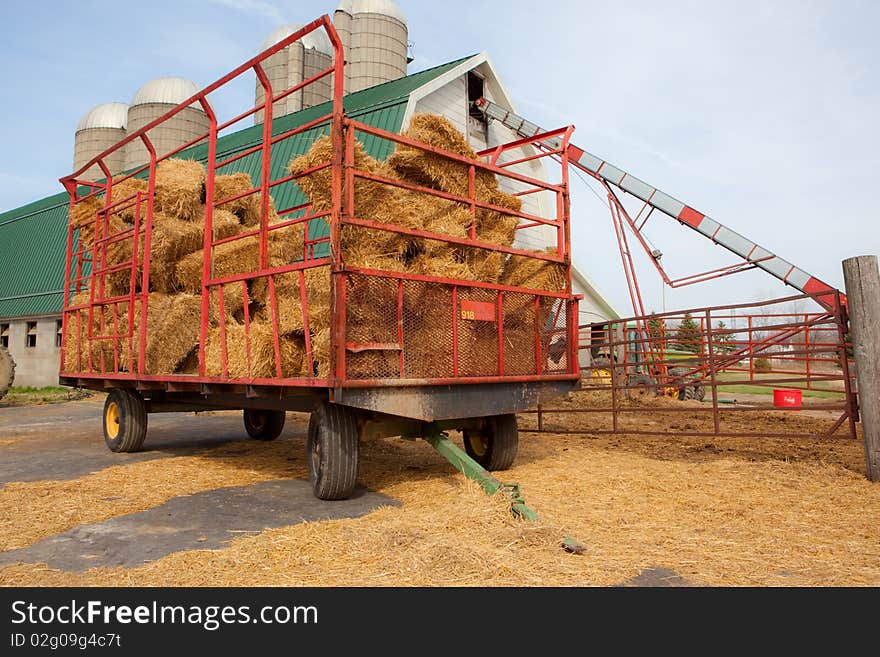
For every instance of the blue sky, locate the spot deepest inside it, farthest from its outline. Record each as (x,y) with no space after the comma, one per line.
(763,115)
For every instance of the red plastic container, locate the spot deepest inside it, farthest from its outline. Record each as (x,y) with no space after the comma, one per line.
(787,397)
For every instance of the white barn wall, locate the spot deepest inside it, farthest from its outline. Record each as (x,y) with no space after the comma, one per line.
(450,100)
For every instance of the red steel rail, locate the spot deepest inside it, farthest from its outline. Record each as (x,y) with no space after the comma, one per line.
(87,267)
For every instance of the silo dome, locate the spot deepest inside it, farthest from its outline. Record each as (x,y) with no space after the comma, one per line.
(385,7)
(299,61)
(107,115)
(153,100)
(171,91)
(98,130)
(317,39)
(375,36)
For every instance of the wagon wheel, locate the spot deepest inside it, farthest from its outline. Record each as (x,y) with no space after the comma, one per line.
(332,451)
(494,445)
(125,420)
(263,425)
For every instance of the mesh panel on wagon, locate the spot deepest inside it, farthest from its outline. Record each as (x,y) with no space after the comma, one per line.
(371,317)
(427,330)
(477,332)
(554,318)
(520,334)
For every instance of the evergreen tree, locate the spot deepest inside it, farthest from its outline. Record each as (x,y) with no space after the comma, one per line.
(723,339)
(657,332)
(687,337)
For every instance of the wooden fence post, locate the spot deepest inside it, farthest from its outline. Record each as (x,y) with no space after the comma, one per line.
(862,280)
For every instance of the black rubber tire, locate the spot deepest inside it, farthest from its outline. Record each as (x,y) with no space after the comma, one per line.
(7,371)
(686,393)
(495,445)
(125,425)
(263,425)
(332,451)
(699,392)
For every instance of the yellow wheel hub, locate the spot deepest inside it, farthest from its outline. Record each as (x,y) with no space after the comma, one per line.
(111,420)
(479,444)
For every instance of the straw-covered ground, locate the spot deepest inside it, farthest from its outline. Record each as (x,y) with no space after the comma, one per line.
(719,511)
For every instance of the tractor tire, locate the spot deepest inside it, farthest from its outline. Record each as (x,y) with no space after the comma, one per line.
(125,421)
(495,445)
(7,371)
(685,393)
(699,392)
(646,387)
(332,451)
(263,425)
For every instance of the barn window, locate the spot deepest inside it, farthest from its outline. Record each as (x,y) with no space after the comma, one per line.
(58,333)
(475,92)
(30,336)
(4,335)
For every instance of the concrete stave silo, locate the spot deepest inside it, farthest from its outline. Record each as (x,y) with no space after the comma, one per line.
(99,129)
(377,38)
(153,100)
(299,61)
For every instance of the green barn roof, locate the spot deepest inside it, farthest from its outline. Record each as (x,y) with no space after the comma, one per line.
(33,237)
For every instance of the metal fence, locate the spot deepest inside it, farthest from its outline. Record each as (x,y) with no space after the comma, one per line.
(707,371)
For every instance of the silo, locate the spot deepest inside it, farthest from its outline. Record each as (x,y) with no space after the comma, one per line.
(342,23)
(287,68)
(378,46)
(317,57)
(284,69)
(98,130)
(153,100)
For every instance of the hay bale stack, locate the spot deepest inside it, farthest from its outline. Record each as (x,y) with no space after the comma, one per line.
(521,271)
(83,212)
(435,171)
(288,300)
(261,347)
(173,323)
(364,247)
(246,208)
(130,187)
(180,186)
(321,352)
(240,256)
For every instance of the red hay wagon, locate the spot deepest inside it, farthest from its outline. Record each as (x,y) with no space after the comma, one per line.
(383,378)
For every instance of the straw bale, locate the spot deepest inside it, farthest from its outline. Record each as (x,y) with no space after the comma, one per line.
(262,352)
(84,211)
(247,208)
(241,257)
(180,188)
(433,170)
(535,274)
(317,186)
(173,323)
(289,302)
(321,352)
(123,189)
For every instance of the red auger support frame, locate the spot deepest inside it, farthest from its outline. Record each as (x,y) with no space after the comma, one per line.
(519,379)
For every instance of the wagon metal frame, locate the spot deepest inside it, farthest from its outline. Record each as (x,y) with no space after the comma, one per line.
(457,399)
